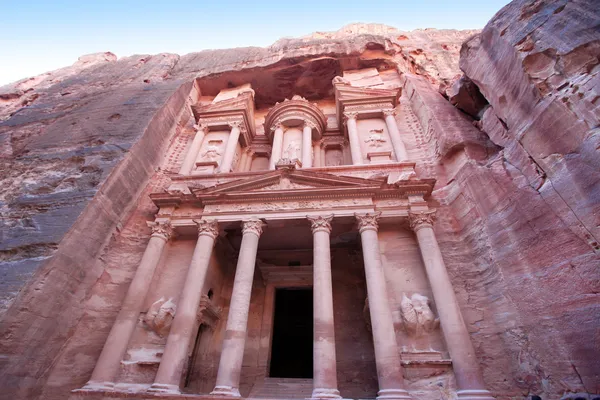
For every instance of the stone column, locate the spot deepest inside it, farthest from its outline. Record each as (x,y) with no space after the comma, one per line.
(175,355)
(192,154)
(108,364)
(353,137)
(317,154)
(464,361)
(230,365)
(397,143)
(241,167)
(277,145)
(387,357)
(307,144)
(248,161)
(234,137)
(324,362)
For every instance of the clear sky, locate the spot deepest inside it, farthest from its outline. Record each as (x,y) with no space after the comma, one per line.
(42,35)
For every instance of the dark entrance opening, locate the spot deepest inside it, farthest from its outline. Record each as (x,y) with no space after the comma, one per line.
(292,348)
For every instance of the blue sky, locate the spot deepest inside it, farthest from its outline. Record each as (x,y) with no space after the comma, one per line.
(38,36)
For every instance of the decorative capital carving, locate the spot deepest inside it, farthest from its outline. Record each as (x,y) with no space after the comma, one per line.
(276,125)
(253,226)
(368,221)
(421,219)
(310,124)
(350,115)
(388,112)
(207,227)
(161,229)
(320,223)
(235,124)
(201,127)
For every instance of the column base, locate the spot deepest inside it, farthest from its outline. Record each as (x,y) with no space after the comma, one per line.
(393,394)
(93,385)
(164,388)
(474,394)
(322,393)
(226,391)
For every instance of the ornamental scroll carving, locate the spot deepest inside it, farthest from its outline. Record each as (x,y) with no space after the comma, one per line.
(421,219)
(368,221)
(417,316)
(161,229)
(207,228)
(254,226)
(320,223)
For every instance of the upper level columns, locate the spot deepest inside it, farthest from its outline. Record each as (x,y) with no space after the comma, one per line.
(307,144)
(324,361)
(464,361)
(114,349)
(230,365)
(230,147)
(355,151)
(397,143)
(192,154)
(387,357)
(175,354)
(277,145)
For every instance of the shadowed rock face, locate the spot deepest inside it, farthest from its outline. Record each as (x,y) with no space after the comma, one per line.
(83,146)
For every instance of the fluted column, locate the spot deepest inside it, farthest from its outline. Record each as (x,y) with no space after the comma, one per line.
(324,361)
(192,154)
(307,144)
(230,365)
(175,355)
(397,143)
(387,357)
(107,366)
(464,361)
(277,145)
(230,147)
(357,158)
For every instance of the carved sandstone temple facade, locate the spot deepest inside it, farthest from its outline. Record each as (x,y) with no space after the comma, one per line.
(293,255)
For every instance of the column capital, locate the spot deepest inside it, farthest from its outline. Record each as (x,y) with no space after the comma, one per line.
(368,221)
(320,223)
(201,127)
(350,115)
(418,220)
(310,124)
(276,125)
(207,227)
(161,229)
(253,226)
(235,124)
(389,112)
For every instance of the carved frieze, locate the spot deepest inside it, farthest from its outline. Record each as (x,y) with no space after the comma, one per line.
(286,206)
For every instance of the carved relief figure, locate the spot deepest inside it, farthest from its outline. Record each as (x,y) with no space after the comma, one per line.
(376,138)
(160,316)
(417,315)
(291,151)
(212,152)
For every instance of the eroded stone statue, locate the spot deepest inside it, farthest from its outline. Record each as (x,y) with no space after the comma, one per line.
(160,316)
(417,315)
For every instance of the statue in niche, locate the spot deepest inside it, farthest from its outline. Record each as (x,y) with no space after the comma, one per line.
(291,151)
(375,138)
(160,316)
(417,315)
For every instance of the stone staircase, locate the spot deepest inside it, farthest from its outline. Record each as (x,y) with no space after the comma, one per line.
(282,388)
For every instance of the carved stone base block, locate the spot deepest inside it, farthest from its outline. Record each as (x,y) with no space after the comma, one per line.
(93,386)
(474,394)
(379,157)
(164,388)
(325,394)
(393,394)
(226,391)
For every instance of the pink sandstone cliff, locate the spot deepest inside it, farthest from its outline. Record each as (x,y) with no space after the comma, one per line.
(517,184)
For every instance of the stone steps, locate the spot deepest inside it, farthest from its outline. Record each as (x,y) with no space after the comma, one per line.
(282,388)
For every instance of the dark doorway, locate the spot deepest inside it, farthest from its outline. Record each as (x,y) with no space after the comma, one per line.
(292,348)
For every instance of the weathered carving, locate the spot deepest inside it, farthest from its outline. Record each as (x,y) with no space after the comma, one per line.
(292,150)
(160,316)
(350,115)
(235,124)
(161,229)
(320,223)
(417,315)
(207,228)
(368,221)
(375,139)
(201,127)
(310,124)
(254,226)
(388,112)
(421,219)
(212,152)
(340,79)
